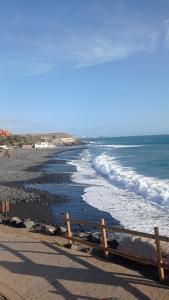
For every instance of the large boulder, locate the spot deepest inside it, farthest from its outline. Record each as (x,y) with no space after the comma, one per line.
(138,246)
(113,239)
(113,244)
(17,222)
(94,237)
(165,251)
(143,248)
(48,229)
(82,235)
(6,221)
(38,227)
(29,223)
(60,230)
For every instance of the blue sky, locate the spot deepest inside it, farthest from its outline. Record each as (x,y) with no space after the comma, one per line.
(87,67)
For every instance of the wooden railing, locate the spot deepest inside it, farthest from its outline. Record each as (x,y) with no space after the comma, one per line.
(159,263)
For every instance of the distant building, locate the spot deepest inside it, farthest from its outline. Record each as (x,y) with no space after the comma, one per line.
(44,145)
(4,147)
(27,146)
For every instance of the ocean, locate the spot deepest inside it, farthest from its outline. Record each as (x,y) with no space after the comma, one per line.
(123,179)
(128,177)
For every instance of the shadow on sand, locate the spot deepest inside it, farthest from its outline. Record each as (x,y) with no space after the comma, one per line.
(78,270)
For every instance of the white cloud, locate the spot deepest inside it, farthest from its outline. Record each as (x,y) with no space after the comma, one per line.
(114,44)
(166,31)
(117,38)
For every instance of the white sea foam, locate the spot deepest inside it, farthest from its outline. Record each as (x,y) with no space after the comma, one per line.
(120,146)
(138,202)
(150,188)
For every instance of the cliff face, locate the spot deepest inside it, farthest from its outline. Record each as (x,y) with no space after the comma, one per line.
(4,133)
(66,141)
(31,139)
(55,138)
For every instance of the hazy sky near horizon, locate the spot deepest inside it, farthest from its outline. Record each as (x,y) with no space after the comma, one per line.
(92,67)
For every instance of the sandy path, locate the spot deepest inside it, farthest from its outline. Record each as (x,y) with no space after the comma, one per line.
(32,268)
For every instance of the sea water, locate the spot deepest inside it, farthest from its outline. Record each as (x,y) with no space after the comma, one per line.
(128,177)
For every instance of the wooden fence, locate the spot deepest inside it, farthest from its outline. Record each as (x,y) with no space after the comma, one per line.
(159,263)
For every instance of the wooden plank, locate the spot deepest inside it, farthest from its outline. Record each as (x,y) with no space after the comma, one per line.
(6,206)
(115,229)
(137,233)
(132,257)
(159,254)
(120,253)
(82,222)
(122,230)
(3,206)
(69,233)
(129,231)
(104,238)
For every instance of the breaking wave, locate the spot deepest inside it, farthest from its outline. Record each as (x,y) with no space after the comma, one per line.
(120,146)
(150,188)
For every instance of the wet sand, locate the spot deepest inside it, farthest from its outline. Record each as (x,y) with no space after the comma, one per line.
(38,185)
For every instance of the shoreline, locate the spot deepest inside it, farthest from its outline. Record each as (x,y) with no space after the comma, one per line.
(37,204)
(26,167)
(39,185)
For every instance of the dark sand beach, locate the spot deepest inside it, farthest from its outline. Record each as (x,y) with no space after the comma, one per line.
(23,168)
(38,185)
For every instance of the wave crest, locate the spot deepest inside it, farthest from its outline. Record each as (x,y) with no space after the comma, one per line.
(153,189)
(120,146)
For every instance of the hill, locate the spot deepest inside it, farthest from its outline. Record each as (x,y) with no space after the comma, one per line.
(58,138)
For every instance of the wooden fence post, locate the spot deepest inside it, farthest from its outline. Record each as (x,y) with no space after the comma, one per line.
(159,254)
(69,233)
(6,207)
(104,237)
(3,206)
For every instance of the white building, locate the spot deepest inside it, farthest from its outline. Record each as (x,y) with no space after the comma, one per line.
(4,147)
(44,145)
